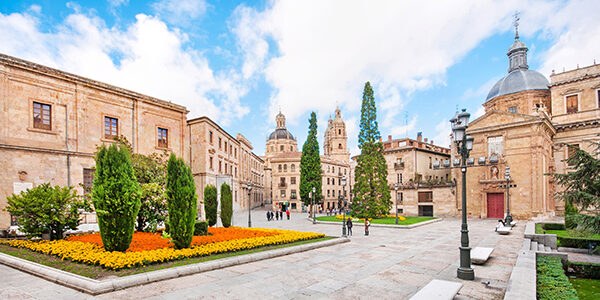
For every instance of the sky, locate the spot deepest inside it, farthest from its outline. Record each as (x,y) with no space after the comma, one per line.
(239,63)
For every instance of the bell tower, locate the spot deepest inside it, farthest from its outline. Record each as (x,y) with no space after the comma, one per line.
(336,140)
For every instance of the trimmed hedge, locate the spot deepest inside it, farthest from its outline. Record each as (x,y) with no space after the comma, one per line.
(181,202)
(553,226)
(577,242)
(201,228)
(552,283)
(584,270)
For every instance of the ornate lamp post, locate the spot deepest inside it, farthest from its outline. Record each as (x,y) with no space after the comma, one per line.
(343,207)
(464,144)
(396,208)
(509,218)
(249,205)
(313,205)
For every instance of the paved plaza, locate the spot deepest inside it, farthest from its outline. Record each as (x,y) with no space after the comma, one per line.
(388,264)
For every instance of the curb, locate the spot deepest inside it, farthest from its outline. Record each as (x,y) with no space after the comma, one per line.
(96,287)
(411,226)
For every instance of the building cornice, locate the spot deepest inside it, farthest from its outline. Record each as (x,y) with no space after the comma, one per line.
(574,79)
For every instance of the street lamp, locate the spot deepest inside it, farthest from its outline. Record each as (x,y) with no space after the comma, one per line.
(249,205)
(313,205)
(396,208)
(509,218)
(343,206)
(464,144)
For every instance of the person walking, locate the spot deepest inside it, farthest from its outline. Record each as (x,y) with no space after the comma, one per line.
(287,212)
(268,216)
(276,215)
(349,225)
(367,224)
(281,215)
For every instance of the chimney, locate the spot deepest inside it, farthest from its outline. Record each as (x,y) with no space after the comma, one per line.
(389,137)
(419,136)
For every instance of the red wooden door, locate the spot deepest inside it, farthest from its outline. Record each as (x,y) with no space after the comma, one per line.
(495,205)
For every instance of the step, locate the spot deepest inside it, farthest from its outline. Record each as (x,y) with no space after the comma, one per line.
(547,249)
(534,246)
(541,247)
(526,244)
(553,250)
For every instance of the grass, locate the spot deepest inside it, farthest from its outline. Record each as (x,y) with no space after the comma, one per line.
(97,272)
(390,221)
(565,233)
(586,288)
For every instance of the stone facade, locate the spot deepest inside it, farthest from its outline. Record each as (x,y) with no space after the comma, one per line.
(283,167)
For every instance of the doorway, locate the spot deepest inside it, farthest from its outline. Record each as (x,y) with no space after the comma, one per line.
(495,205)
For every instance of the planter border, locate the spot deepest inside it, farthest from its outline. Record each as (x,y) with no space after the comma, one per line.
(96,287)
(411,226)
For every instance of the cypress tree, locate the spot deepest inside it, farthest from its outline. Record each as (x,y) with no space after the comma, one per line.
(226,205)
(181,200)
(310,165)
(116,197)
(372,195)
(210,204)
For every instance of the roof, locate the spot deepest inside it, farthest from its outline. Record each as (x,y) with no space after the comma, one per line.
(281,133)
(517,81)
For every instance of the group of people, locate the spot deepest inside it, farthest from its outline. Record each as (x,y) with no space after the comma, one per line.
(349,226)
(277,215)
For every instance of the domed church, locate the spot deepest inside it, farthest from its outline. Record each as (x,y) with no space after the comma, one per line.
(526,124)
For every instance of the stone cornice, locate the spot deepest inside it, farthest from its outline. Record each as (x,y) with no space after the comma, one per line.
(574,79)
(581,124)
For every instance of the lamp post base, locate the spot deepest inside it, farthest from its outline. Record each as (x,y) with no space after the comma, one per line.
(465,273)
(344,232)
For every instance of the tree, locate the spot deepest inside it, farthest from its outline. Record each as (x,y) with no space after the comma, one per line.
(226,205)
(47,210)
(581,188)
(371,192)
(310,165)
(181,200)
(153,207)
(210,204)
(116,196)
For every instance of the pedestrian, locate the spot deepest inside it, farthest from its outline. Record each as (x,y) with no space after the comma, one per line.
(349,225)
(367,224)
(268,215)
(276,215)
(281,215)
(287,212)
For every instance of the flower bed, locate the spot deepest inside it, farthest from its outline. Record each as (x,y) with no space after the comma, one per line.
(401,218)
(149,250)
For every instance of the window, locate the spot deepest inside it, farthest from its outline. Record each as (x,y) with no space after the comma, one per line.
(399,178)
(291,148)
(292,180)
(111,127)
(210,137)
(42,116)
(328,181)
(220,167)
(281,148)
(339,146)
(210,162)
(293,194)
(225,168)
(339,131)
(293,168)
(230,149)
(88,180)
(425,211)
(235,171)
(235,152)
(279,168)
(219,143)
(430,162)
(285,168)
(598,97)
(571,151)
(513,109)
(328,193)
(425,196)
(400,201)
(572,104)
(163,140)
(345,171)
(282,193)
(495,145)
(272,148)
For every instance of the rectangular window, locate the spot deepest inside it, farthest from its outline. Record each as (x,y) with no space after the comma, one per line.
(572,104)
(495,145)
(210,163)
(401,200)
(282,193)
(210,137)
(328,193)
(425,211)
(219,143)
(513,109)
(88,180)
(42,116)
(327,181)
(163,137)
(220,167)
(111,127)
(293,194)
(235,151)
(425,196)
(293,180)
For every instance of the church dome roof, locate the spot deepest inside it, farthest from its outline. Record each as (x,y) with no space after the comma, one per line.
(517,81)
(281,133)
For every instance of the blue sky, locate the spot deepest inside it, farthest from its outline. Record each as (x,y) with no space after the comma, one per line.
(240,62)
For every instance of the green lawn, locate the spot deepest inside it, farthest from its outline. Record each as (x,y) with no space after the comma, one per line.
(97,272)
(390,221)
(563,233)
(586,288)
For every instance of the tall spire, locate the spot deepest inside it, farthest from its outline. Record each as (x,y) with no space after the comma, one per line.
(517,53)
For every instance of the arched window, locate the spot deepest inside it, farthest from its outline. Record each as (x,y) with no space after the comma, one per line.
(293,168)
(291,148)
(281,148)
(340,146)
(285,168)
(339,131)
(279,168)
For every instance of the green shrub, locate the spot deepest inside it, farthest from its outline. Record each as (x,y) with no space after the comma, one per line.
(571,221)
(47,210)
(552,283)
(226,205)
(181,200)
(116,197)
(584,270)
(201,228)
(553,226)
(210,204)
(577,242)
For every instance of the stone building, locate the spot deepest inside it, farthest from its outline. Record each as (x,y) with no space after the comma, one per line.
(527,120)
(53,121)
(282,161)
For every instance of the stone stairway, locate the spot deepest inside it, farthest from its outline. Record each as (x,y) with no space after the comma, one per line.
(541,244)
(528,244)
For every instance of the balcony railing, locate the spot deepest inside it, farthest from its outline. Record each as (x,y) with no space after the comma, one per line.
(399,166)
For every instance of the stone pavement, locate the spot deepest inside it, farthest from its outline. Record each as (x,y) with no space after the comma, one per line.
(387,264)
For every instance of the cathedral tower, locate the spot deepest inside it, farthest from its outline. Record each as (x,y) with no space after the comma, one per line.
(336,140)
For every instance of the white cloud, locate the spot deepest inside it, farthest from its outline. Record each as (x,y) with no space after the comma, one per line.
(400,129)
(116,3)
(180,12)
(443,131)
(481,92)
(147,57)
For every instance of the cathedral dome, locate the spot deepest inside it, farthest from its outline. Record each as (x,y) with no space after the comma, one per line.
(517,81)
(281,133)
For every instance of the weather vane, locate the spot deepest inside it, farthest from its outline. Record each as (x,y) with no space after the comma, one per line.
(516,24)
